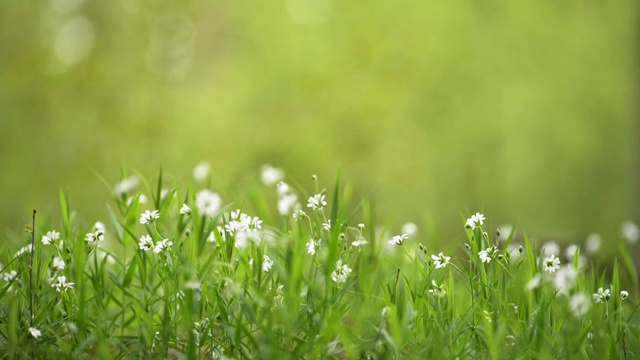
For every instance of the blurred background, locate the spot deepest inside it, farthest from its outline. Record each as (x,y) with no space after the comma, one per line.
(524,110)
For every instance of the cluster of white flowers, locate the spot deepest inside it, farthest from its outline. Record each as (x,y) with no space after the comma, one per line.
(50,237)
(487,254)
(287,200)
(61,284)
(240,222)
(146,243)
(475,220)
(208,202)
(341,273)
(398,239)
(97,235)
(24,249)
(564,279)
(148,217)
(437,290)
(317,202)
(440,260)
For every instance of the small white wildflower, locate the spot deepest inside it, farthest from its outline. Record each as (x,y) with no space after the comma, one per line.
(212,237)
(592,244)
(487,254)
(92,237)
(149,216)
(602,295)
(185,210)
(624,295)
(590,336)
(564,279)
(256,223)
(316,202)
(410,229)
(58,264)
(534,283)
(50,237)
(271,175)
(282,189)
(440,261)
(313,246)
(579,304)
(208,202)
(571,251)
(286,203)
(551,264)
(550,248)
(341,273)
(62,284)
(475,220)
(233,226)
(267,263)
(146,243)
(437,290)
(398,239)
(630,232)
(201,171)
(9,276)
(327,225)
(34,332)
(126,185)
(99,225)
(193,285)
(142,199)
(361,226)
(162,245)
(359,242)
(298,214)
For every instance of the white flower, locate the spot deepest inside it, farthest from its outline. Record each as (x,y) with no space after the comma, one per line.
(256,223)
(9,276)
(440,261)
(282,189)
(571,251)
(233,226)
(475,221)
(35,333)
(359,242)
(24,249)
(327,225)
(341,273)
(50,237)
(438,290)
(592,244)
(62,284)
(99,225)
(505,231)
(299,214)
(551,264)
(201,171)
(550,248)
(398,239)
(92,237)
(564,279)
(185,210)
(149,216)
(602,295)
(534,283)
(514,251)
(267,263)
(58,264)
(487,254)
(316,202)
(162,245)
(142,199)
(624,295)
(193,285)
(579,304)
(208,202)
(286,203)
(146,243)
(361,226)
(126,185)
(630,232)
(313,246)
(410,229)
(271,175)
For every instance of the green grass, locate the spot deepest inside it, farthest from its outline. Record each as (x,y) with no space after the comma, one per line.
(211,293)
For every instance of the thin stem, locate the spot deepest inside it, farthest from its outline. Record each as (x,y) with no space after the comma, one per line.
(33,250)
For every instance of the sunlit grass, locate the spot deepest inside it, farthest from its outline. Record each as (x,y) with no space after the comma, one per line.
(179,271)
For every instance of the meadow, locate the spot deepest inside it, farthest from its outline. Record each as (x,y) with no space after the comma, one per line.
(302,270)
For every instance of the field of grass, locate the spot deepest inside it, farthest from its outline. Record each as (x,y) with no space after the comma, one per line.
(302,271)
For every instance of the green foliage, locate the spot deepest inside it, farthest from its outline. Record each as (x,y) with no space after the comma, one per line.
(223,285)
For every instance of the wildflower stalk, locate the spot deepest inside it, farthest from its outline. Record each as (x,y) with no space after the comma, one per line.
(33,248)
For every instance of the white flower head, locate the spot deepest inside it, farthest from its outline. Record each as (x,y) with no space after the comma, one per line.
(579,304)
(24,249)
(410,229)
(327,226)
(487,254)
(267,263)
(208,202)
(50,237)
(9,276)
(571,251)
(398,239)
(146,243)
(475,220)
(592,244)
(551,264)
(149,216)
(437,290)
(92,237)
(317,202)
(550,248)
(534,283)
(564,279)
(185,210)
(162,245)
(58,264)
(126,185)
(299,214)
(271,175)
(34,332)
(602,295)
(201,171)
(505,231)
(440,261)
(287,203)
(61,284)
(624,295)
(341,273)
(359,242)
(313,246)
(630,232)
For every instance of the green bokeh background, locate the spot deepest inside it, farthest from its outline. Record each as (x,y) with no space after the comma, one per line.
(525,110)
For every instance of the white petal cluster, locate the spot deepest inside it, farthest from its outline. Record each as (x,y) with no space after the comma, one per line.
(475,220)
(271,175)
(317,202)
(61,284)
(208,202)
(50,237)
(149,216)
(341,273)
